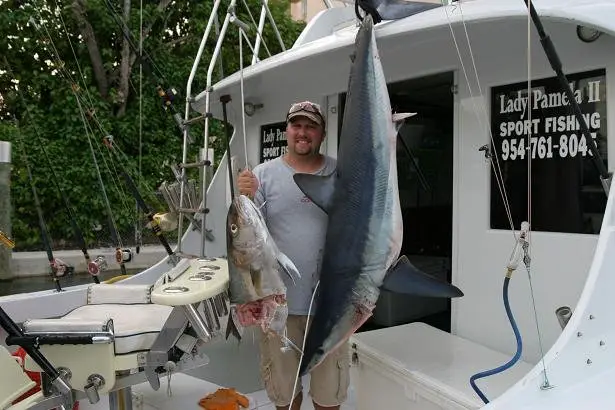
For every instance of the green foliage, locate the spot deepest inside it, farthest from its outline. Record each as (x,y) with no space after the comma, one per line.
(56,114)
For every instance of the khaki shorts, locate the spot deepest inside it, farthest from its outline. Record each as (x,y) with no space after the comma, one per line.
(329,380)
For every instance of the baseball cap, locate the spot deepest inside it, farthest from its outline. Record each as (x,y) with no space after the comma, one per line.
(306,109)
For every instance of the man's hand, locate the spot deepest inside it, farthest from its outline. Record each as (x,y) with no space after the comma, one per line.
(247,183)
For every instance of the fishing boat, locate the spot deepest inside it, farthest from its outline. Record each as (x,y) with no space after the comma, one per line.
(528,242)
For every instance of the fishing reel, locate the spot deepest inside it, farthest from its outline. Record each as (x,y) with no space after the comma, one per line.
(97,265)
(123,255)
(108,141)
(167,97)
(60,268)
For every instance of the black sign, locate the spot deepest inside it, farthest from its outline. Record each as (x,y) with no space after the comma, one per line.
(544,129)
(273,141)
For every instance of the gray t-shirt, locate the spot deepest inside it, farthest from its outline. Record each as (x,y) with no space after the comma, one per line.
(297,225)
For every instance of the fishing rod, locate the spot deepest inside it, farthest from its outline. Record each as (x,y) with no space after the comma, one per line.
(121,256)
(132,187)
(225,99)
(58,268)
(556,65)
(14,331)
(92,267)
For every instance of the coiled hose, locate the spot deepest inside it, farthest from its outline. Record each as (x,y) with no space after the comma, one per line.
(514,359)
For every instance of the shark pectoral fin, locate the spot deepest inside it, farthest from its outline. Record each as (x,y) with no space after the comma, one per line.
(288,266)
(319,188)
(403,277)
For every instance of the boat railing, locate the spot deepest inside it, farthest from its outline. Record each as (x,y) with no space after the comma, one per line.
(243,28)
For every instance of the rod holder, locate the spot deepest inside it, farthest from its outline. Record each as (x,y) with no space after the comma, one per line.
(563,313)
(197,323)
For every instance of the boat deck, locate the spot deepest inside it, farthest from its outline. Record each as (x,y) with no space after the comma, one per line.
(186,391)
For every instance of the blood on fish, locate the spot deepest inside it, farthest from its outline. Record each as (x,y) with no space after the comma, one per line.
(259,312)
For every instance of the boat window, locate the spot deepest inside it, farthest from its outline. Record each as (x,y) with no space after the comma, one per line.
(425,177)
(566,195)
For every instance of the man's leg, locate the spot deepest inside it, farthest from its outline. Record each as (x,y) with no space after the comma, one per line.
(329,381)
(279,369)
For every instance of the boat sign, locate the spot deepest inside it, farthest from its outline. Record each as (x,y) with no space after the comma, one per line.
(273,141)
(543,128)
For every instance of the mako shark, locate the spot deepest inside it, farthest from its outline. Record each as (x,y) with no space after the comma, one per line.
(365,230)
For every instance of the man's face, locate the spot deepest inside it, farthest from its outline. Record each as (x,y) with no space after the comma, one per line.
(304,136)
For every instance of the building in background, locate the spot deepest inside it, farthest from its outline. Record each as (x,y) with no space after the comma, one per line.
(306,9)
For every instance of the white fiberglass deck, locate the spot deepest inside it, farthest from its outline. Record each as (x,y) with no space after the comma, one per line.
(186,393)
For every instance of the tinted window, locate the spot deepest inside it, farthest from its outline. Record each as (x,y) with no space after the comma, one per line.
(566,195)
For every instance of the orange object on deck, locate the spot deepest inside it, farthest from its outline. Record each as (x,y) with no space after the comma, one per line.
(224,399)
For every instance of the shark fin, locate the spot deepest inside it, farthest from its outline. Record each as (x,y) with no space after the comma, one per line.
(400,118)
(319,188)
(288,266)
(404,277)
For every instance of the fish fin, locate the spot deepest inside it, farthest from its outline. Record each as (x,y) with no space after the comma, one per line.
(288,266)
(400,118)
(231,326)
(319,188)
(404,277)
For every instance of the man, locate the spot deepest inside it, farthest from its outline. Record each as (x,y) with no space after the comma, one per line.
(298,227)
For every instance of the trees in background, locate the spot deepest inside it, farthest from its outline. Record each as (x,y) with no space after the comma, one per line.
(74,71)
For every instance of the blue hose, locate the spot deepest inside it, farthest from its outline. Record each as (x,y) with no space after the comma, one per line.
(512,361)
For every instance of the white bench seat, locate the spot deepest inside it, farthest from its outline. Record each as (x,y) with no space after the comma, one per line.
(416,366)
(136,327)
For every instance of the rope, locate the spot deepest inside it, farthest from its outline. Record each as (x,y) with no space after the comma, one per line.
(482,124)
(305,332)
(243,113)
(527,248)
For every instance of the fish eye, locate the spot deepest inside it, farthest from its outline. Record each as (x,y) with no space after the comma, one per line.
(234,229)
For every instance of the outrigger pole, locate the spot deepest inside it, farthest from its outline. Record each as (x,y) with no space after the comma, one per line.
(556,64)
